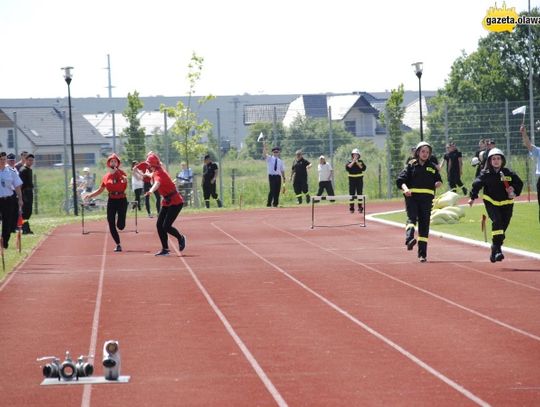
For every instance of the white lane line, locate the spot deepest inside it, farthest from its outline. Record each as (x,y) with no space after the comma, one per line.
(432,294)
(248,355)
(366,327)
(496,277)
(87,392)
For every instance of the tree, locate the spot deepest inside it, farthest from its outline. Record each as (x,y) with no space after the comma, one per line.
(187,129)
(392,118)
(312,136)
(135,134)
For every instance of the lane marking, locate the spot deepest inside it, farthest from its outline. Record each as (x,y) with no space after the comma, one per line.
(248,355)
(366,327)
(432,294)
(87,392)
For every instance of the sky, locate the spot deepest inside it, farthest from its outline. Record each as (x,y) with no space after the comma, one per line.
(249,46)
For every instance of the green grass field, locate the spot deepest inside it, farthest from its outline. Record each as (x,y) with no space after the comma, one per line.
(523,232)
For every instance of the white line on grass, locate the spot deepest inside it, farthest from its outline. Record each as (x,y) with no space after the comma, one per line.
(87,393)
(364,326)
(248,355)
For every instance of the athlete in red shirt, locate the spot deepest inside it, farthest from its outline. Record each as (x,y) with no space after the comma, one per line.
(115,182)
(171,204)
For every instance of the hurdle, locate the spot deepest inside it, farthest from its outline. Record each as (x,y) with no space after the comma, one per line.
(349,198)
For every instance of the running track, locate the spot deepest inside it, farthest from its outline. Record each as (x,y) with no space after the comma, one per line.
(263,311)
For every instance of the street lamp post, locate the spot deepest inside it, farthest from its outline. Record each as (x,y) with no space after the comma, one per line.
(68,77)
(418,71)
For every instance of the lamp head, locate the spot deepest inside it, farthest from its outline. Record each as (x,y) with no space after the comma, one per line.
(418,68)
(67,74)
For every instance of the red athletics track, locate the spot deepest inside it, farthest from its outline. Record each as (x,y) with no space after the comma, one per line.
(264,311)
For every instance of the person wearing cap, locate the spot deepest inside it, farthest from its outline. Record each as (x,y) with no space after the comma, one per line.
(483,155)
(475,162)
(534,151)
(500,186)
(326,173)
(27,190)
(209,177)
(299,176)
(418,181)
(115,182)
(87,180)
(355,168)
(454,167)
(276,175)
(171,204)
(9,182)
(14,217)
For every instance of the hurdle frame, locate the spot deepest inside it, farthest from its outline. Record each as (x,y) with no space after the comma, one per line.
(360,198)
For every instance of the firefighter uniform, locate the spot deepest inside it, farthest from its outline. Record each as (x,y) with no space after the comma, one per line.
(499,205)
(355,169)
(420,179)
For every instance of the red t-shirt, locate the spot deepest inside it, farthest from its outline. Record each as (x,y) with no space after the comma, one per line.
(115,183)
(167,189)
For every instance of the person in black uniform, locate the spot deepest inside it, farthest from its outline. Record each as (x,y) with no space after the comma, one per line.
(210,173)
(418,181)
(454,168)
(355,167)
(9,182)
(27,189)
(500,186)
(299,176)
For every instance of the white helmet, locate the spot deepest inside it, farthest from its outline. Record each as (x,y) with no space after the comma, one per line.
(495,151)
(475,161)
(355,151)
(422,144)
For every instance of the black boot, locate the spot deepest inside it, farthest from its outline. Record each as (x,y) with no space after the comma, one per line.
(207,204)
(494,251)
(219,204)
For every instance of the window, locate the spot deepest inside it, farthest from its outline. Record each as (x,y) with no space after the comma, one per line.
(10,139)
(350,126)
(47,160)
(85,159)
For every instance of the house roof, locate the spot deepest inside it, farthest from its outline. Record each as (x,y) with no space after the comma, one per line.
(151,121)
(264,113)
(44,126)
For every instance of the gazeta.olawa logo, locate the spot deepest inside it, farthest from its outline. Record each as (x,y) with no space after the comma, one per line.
(500,19)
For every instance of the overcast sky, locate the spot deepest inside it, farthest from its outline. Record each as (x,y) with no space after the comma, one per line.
(248,46)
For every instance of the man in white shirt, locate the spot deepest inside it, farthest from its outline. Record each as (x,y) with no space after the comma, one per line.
(9,182)
(325,177)
(276,175)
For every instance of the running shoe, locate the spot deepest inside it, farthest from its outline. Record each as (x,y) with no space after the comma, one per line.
(182,243)
(162,252)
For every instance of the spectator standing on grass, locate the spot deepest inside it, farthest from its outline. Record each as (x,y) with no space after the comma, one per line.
(27,189)
(9,182)
(476,159)
(500,186)
(137,184)
(454,168)
(418,181)
(20,163)
(534,151)
(299,176)
(326,173)
(276,175)
(171,204)
(209,177)
(355,167)
(115,182)
(14,217)
(87,180)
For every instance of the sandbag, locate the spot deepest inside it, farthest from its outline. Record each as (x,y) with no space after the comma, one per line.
(449,198)
(457,210)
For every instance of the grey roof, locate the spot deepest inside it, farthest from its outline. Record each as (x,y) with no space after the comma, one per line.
(44,126)
(264,113)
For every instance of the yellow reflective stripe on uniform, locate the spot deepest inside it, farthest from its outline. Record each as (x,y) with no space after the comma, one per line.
(422,239)
(497,203)
(410,225)
(356,175)
(497,232)
(298,195)
(422,191)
